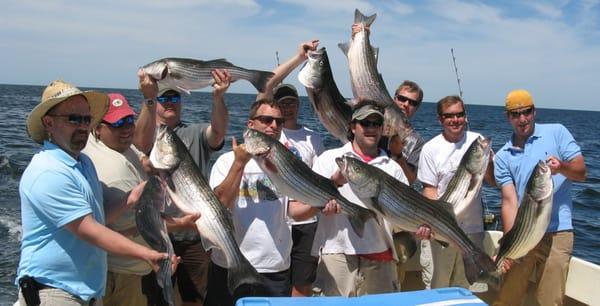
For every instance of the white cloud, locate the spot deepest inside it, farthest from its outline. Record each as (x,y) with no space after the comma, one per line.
(546,9)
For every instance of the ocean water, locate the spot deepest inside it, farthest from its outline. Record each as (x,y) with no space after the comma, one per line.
(16,149)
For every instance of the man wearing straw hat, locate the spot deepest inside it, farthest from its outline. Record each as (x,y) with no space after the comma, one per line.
(64,244)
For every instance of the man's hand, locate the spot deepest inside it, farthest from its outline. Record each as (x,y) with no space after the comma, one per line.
(332,207)
(554,164)
(357,27)
(507,263)
(239,151)
(338,178)
(424,232)
(135,194)
(307,46)
(222,81)
(183,222)
(148,85)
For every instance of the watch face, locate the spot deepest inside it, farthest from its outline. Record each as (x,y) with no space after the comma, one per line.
(150,102)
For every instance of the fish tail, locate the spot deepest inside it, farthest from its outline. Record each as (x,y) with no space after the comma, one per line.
(163,277)
(478,266)
(358,220)
(360,18)
(244,280)
(259,79)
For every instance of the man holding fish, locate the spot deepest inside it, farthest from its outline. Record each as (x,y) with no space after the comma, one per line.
(530,143)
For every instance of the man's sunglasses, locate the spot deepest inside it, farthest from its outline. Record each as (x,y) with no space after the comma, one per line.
(269,119)
(170,99)
(126,121)
(453,115)
(75,119)
(404,99)
(369,123)
(517,114)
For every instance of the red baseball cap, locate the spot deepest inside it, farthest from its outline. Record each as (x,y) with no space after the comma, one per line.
(118,108)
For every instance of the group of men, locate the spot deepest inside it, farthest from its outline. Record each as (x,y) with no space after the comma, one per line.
(78,192)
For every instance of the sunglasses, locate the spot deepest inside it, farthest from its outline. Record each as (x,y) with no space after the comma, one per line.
(453,115)
(269,119)
(517,114)
(170,99)
(127,121)
(75,119)
(369,123)
(405,99)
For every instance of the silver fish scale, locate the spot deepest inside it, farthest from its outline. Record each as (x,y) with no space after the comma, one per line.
(201,71)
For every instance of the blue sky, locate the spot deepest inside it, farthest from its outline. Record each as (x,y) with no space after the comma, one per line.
(551,48)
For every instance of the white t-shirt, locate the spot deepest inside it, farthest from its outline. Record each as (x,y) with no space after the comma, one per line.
(437,165)
(305,144)
(119,173)
(334,233)
(261,228)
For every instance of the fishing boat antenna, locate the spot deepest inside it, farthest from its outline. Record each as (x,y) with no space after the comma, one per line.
(460,92)
(277,57)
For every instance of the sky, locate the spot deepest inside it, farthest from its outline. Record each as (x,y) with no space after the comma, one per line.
(551,48)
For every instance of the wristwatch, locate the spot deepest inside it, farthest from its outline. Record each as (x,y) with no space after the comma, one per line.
(149,102)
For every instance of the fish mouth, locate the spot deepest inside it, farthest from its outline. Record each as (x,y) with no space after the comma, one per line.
(342,164)
(315,55)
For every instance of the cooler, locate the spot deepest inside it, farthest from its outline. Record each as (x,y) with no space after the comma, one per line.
(434,297)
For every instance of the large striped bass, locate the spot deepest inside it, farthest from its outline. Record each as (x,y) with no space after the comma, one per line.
(186,74)
(331,107)
(293,178)
(192,194)
(404,207)
(533,216)
(466,183)
(367,82)
(152,227)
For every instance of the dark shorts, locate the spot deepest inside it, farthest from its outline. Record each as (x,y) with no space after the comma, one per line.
(276,284)
(304,266)
(192,272)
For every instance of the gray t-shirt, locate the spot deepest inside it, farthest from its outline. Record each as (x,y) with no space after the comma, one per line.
(412,149)
(195,139)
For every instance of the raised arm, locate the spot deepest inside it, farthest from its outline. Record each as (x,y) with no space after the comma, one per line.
(283,70)
(145,126)
(574,169)
(228,191)
(219,117)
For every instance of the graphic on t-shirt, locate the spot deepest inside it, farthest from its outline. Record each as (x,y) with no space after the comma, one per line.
(257,190)
(293,149)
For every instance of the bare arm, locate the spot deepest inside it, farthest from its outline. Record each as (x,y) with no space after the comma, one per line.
(574,169)
(86,228)
(283,70)
(300,211)
(145,126)
(220,116)
(430,192)
(509,206)
(116,208)
(489,171)
(229,189)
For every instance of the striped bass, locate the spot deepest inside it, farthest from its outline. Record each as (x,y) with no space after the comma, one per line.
(190,191)
(367,82)
(466,183)
(293,178)
(186,74)
(152,227)
(533,216)
(331,107)
(404,207)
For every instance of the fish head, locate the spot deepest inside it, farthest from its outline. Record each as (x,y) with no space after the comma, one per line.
(395,122)
(477,156)
(257,143)
(153,193)
(540,185)
(311,74)
(165,155)
(359,175)
(157,69)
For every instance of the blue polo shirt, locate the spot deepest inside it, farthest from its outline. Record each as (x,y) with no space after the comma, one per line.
(513,165)
(55,190)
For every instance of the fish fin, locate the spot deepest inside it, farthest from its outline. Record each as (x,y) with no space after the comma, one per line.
(478,265)
(361,18)
(405,244)
(163,278)
(259,79)
(345,46)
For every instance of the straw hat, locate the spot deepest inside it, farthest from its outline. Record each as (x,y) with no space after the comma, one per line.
(57,92)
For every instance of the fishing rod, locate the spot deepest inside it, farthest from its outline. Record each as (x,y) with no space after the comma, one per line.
(460,92)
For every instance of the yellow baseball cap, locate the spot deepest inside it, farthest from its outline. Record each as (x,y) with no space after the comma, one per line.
(518,98)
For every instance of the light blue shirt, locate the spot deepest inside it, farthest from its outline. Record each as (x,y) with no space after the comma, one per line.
(55,190)
(513,165)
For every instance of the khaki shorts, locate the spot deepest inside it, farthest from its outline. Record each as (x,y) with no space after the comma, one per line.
(124,289)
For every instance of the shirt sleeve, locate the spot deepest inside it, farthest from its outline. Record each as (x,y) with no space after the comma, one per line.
(501,171)
(317,143)
(320,166)
(426,171)
(60,201)
(219,172)
(567,147)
